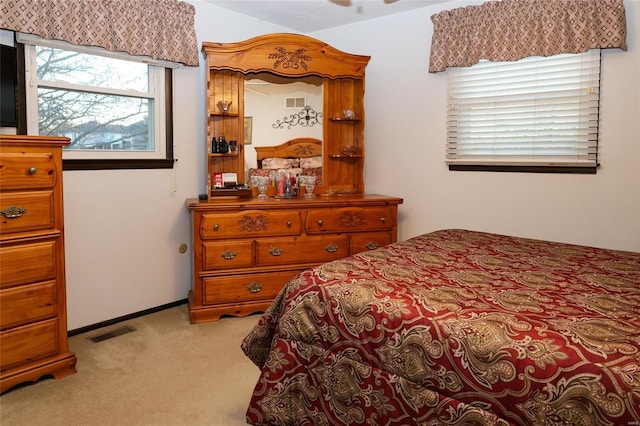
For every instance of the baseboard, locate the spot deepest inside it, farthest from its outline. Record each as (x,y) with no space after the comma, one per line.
(126,317)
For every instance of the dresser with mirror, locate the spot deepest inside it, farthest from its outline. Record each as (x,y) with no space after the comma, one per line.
(289,105)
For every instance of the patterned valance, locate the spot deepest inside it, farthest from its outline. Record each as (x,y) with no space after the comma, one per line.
(159,29)
(509,30)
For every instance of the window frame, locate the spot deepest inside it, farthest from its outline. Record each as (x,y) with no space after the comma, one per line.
(165,161)
(520,165)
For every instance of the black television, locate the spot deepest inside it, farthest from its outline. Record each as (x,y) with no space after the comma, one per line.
(8,86)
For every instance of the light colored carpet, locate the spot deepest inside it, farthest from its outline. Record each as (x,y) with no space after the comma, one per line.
(167,372)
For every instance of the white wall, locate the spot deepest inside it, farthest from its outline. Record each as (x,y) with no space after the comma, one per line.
(123,228)
(405,146)
(266,104)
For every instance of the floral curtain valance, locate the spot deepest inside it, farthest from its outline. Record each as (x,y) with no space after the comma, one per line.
(159,29)
(509,30)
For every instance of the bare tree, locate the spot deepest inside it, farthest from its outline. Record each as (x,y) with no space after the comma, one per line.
(92,120)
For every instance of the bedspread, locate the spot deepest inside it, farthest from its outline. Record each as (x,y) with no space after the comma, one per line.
(454,327)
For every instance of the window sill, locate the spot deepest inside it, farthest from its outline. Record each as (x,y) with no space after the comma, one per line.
(119,164)
(525,169)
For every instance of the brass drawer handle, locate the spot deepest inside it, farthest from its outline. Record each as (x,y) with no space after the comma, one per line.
(276,251)
(32,170)
(288,224)
(331,248)
(13,212)
(372,245)
(255,287)
(216,227)
(383,219)
(229,255)
(320,222)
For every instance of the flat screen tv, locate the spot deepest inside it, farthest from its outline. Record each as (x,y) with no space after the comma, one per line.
(8,87)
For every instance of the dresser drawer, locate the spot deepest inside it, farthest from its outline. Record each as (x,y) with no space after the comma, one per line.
(28,343)
(27,170)
(27,263)
(371,241)
(250,223)
(349,219)
(287,251)
(26,211)
(245,288)
(27,303)
(227,255)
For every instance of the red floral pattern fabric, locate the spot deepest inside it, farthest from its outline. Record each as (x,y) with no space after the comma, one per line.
(454,327)
(509,30)
(159,29)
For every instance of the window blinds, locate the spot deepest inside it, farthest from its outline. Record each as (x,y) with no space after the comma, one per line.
(540,111)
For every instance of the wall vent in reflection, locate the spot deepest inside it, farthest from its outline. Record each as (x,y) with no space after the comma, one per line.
(295,102)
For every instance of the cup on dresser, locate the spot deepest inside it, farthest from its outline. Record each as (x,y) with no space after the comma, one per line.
(309,183)
(260,182)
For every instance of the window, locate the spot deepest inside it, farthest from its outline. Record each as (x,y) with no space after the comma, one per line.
(114,108)
(538,114)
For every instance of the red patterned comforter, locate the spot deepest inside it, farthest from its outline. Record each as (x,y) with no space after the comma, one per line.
(454,328)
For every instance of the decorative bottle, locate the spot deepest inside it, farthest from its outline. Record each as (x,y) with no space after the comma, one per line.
(224,147)
(233,147)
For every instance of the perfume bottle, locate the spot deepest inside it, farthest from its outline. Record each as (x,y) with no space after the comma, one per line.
(287,187)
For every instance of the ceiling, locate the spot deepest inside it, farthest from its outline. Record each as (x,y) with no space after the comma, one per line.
(308,16)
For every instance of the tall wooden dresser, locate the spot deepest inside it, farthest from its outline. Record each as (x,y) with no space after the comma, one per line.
(33,315)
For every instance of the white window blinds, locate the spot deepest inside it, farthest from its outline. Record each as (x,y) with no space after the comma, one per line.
(538,111)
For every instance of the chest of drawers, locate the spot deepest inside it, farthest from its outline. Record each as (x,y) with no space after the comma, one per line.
(244,251)
(33,319)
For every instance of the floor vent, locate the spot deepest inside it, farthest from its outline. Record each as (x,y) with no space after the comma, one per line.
(113,333)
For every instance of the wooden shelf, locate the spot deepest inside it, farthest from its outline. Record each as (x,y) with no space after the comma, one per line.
(234,192)
(221,114)
(345,119)
(346,156)
(219,154)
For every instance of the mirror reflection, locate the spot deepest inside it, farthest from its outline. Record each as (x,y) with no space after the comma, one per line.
(276,108)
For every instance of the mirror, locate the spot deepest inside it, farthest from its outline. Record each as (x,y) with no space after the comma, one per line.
(273,104)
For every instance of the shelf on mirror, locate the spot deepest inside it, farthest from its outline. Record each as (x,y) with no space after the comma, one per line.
(222,114)
(220,154)
(344,119)
(345,155)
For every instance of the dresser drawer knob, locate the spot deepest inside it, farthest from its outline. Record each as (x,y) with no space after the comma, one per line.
(383,219)
(33,170)
(372,245)
(320,222)
(331,248)
(276,251)
(216,227)
(288,224)
(229,255)
(255,287)
(13,212)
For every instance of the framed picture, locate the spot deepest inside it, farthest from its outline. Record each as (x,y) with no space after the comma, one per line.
(248,125)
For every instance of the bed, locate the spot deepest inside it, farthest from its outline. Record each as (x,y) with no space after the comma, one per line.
(295,157)
(454,327)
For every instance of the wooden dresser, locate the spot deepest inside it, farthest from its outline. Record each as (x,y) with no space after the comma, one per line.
(33,316)
(244,251)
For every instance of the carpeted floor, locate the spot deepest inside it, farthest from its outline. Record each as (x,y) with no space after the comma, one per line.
(166,372)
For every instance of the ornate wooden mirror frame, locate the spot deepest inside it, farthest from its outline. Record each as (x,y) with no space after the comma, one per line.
(291,56)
